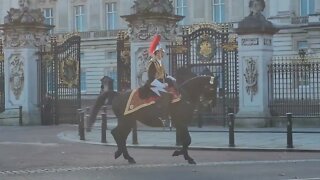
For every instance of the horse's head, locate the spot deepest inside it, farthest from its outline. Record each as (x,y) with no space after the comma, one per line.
(200,88)
(209,92)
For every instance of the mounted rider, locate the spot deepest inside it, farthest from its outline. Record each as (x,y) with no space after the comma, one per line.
(158,80)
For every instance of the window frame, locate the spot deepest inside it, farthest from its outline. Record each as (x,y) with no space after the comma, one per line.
(221,6)
(83,82)
(308,6)
(50,18)
(183,7)
(82,18)
(112,72)
(113,14)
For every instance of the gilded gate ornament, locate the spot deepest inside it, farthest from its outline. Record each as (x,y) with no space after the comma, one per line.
(206,48)
(232,44)
(251,77)
(179,47)
(125,56)
(219,28)
(69,72)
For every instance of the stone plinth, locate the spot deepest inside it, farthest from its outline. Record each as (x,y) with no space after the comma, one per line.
(24,31)
(255,37)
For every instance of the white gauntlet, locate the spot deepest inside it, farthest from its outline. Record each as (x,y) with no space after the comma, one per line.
(172,78)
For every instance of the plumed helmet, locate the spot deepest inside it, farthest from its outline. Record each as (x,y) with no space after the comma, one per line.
(155,44)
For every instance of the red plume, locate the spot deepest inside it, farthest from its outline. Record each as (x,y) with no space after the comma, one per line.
(154,43)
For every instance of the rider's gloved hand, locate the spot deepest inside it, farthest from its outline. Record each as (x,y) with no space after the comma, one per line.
(172,78)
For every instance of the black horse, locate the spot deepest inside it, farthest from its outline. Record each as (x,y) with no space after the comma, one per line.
(181,113)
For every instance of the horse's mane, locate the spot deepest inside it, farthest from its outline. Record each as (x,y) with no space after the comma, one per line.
(183,74)
(192,80)
(190,88)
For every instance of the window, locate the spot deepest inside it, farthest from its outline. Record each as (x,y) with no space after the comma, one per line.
(83,76)
(218,11)
(79,21)
(112,55)
(307,7)
(111,72)
(83,80)
(111,16)
(302,45)
(48,16)
(181,9)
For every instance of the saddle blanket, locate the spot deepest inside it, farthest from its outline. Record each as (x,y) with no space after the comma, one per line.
(135,103)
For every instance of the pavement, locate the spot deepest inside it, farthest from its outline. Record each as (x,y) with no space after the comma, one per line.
(208,138)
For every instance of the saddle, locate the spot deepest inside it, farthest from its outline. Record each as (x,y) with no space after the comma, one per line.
(135,102)
(139,98)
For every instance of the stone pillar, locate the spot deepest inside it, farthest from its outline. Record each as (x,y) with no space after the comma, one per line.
(22,36)
(149,18)
(255,54)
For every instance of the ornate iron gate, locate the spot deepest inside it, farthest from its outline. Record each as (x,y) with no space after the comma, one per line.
(123,62)
(2,92)
(59,81)
(210,49)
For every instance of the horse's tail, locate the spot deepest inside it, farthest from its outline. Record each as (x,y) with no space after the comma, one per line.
(96,107)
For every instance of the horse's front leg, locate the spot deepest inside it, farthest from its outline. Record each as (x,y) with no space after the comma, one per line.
(117,137)
(186,141)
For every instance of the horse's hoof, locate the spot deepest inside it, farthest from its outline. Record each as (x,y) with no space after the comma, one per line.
(131,161)
(191,161)
(117,154)
(177,153)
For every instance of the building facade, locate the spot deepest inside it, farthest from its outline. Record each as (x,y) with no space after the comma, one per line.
(98,23)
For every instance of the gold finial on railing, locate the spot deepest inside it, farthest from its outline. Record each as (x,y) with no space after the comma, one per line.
(122,35)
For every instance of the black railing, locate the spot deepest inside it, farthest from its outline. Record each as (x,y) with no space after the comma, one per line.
(294,86)
(233,131)
(2,88)
(300,20)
